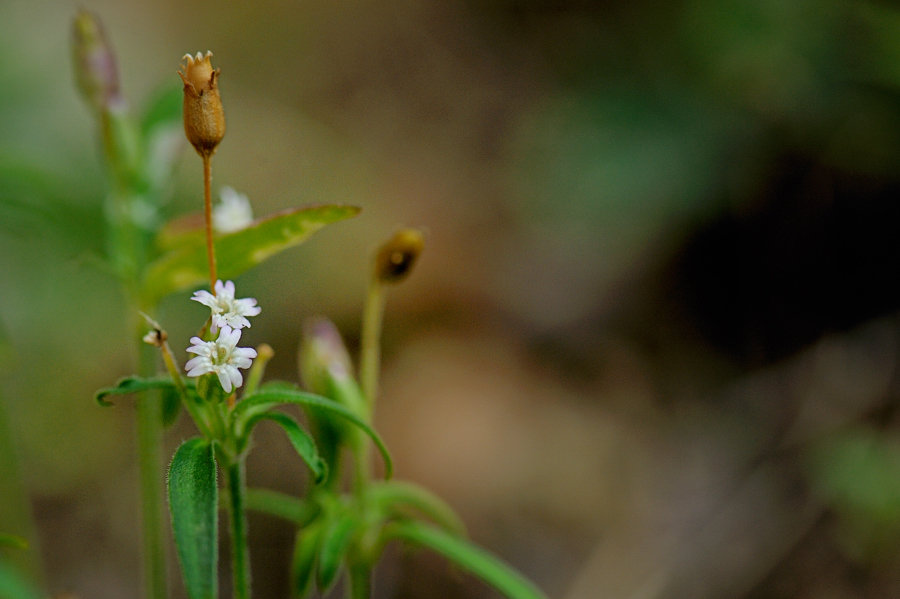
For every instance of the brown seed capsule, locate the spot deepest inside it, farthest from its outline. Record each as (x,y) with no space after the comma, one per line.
(395,259)
(204,118)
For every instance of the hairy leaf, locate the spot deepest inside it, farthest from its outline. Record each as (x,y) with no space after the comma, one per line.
(187,266)
(193,502)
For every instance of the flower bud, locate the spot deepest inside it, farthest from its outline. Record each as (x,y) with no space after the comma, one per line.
(395,259)
(95,62)
(323,358)
(204,118)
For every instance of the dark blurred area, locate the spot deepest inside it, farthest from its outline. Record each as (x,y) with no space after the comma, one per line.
(651,347)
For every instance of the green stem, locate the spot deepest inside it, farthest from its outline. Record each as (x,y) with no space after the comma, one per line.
(370,354)
(360,582)
(149,425)
(240,554)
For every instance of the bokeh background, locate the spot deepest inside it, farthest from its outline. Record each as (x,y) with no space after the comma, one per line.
(651,349)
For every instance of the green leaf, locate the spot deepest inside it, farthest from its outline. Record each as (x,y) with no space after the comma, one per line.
(299,511)
(303,567)
(394,496)
(300,439)
(16,541)
(335,542)
(469,557)
(186,267)
(171,405)
(163,132)
(133,384)
(193,501)
(13,586)
(251,405)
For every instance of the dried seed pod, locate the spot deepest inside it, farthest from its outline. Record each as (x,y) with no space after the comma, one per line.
(395,259)
(204,118)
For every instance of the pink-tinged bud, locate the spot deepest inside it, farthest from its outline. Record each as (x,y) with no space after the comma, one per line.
(204,118)
(323,357)
(395,259)
(95,62)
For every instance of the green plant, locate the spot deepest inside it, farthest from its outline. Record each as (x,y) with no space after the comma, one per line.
(339,528)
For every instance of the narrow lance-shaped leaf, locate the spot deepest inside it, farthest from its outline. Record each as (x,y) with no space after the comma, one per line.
(300,439)
(133,384)
(187,267)
(193,501)
(299,511)
(303,568)
(335,543)
(261,401)
(171,400)
(403,497)
(7,540)
(469,557)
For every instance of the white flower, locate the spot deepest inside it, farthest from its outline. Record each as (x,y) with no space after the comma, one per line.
(220,357)
(227,311)
(233,213)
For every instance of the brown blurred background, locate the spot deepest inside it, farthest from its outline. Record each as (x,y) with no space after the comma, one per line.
(651,349)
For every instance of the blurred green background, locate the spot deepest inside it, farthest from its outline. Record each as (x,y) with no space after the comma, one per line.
(652,346)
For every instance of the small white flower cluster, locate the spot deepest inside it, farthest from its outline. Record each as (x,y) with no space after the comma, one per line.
(222,356)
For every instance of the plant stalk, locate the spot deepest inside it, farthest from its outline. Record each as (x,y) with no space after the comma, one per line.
(149,428)
(360,581)
(240,554)
(370,353)
(207,205)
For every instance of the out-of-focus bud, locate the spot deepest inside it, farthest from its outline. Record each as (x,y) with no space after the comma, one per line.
(204,118)
(396,258)
(323,357)
(95,62)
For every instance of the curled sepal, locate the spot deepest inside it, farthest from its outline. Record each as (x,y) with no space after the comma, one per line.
(193,501)
(396,498)
(261,402)
(187,267)
(467,556)
(336,540)
(299,438)
(303,567)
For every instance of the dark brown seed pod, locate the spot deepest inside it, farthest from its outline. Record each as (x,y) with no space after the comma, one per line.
(396,258)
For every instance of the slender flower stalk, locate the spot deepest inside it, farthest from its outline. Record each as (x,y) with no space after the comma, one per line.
(207,206)
(204,125)
(393,263)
